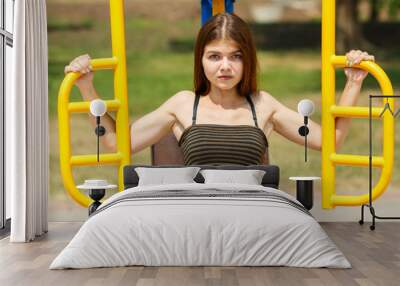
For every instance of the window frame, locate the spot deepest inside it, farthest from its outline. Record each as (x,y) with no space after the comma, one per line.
(6,39)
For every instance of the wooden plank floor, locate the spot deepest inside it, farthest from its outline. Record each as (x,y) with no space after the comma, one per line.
(375,256)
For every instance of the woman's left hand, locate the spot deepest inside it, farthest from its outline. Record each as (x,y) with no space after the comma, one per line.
(355,57)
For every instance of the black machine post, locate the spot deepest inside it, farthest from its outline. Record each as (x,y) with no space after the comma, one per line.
(303,131)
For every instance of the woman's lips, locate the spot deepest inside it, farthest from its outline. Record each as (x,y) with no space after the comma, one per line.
(225,77)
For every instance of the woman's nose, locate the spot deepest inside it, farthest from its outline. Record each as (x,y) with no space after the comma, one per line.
(225,64)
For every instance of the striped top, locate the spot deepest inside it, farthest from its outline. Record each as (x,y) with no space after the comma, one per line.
(216,144)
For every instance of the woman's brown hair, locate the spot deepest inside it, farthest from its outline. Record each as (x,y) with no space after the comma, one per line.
(232,27)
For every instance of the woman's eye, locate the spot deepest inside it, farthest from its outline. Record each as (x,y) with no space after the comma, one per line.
(237,57)
(214,57)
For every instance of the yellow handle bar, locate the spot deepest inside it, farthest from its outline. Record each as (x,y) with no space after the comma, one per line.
(65,108)
(386,161)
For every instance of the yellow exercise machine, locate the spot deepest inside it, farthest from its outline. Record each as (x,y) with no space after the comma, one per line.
(119,104)
(330,111)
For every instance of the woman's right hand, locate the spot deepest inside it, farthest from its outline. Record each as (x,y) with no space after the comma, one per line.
(82,65)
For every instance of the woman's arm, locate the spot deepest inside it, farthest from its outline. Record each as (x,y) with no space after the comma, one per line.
(355,78)
(145,131)
(287,122)
(153,126)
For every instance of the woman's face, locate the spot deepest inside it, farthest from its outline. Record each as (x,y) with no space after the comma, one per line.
(223,63)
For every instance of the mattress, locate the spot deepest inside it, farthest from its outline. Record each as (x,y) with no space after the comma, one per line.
(201,225)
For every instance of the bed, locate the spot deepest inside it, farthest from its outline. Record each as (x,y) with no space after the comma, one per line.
(201,223)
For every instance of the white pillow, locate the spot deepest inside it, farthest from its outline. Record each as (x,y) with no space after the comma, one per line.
(248,177)
(162,176)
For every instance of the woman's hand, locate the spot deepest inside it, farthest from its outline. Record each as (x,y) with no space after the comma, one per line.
(81,64)
(355,57)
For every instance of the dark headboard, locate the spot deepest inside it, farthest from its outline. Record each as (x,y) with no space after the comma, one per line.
(270,179)
(168,152)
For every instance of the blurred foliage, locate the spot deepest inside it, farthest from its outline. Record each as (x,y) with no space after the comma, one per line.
(63,25)
(394,6)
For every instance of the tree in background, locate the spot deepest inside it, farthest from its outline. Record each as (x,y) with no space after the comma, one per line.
(377,5)
(349,26)
(373,16)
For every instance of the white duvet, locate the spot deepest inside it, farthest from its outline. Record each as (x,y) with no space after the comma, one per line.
(201,230)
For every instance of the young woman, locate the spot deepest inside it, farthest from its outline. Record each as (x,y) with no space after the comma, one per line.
(226,120)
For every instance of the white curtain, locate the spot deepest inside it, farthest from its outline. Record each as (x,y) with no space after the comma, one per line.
(27,140)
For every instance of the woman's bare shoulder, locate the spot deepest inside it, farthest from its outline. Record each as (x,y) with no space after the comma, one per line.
(265,98)
(183,96)
(180,100)
(264,95)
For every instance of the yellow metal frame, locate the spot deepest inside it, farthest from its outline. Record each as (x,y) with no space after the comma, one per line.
(218,6)
(119,104)
(330,112)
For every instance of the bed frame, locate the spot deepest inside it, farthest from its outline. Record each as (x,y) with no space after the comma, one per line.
(270,179)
